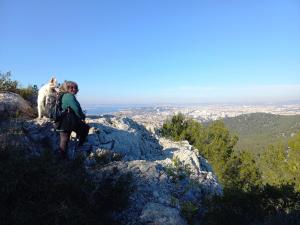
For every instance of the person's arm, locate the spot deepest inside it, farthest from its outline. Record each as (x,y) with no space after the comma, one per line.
(70,100)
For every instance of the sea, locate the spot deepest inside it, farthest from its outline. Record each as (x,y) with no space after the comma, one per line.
(92,110)
(100,110)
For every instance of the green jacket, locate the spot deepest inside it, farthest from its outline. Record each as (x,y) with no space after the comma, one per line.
(69,100)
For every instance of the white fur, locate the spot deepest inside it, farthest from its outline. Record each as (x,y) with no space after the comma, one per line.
(44,92)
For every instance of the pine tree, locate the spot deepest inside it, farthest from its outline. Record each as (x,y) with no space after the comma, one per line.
(293,160)
(242,172)
(273,164)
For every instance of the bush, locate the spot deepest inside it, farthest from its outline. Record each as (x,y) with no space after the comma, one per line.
(174,128)
(30,94)
(189,210)
(264,205)
(6,84)
(178,171)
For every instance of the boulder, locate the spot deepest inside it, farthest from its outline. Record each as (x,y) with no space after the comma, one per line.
(13,105)
(154,213)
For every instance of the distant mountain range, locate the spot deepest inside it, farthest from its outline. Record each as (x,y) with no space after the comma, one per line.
(258,130)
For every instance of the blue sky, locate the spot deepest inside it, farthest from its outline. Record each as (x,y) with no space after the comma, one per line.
(156,51)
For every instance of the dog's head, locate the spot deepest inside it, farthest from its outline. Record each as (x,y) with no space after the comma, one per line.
(53,84)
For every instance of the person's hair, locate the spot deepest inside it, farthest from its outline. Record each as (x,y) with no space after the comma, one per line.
(67,86)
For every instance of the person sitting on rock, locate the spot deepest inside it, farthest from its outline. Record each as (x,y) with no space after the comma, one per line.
(73,118)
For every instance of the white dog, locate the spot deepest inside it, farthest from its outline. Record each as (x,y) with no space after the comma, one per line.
(44,92)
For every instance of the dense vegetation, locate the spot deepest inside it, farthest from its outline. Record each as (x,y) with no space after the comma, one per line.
(256,131)
(42,190)
(262,190)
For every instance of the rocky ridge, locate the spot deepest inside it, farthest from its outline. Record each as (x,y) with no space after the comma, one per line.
(166,175)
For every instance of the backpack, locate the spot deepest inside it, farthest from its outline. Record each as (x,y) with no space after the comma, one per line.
(53,106)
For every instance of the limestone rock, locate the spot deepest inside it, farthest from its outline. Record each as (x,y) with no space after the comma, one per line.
(124,146)
(123,135)
(41,135)
(13,105)
(154,213)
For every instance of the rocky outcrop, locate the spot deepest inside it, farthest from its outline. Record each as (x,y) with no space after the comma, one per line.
(13,105)
(123,135)
(40,134)
(158,214)
(166,175)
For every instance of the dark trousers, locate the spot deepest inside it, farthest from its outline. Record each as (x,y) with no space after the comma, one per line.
(81,132)
(64,142)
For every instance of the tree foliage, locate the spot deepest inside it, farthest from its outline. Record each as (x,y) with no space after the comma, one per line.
(6,83)
(280,164)
(214,142)
(174,127)
(267,205)
(256,131)
(257,190)
(241,172)
(293,159)
(273,165)
(217,146)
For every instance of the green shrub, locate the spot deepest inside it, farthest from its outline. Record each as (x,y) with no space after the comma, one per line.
(174,127)
(6,84)
(178,171)
(189,210)
(30,94)
(280,205)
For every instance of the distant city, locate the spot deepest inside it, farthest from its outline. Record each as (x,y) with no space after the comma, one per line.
(154,116)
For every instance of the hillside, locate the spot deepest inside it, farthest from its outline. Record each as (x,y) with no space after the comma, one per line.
(127,173)
(258,130)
